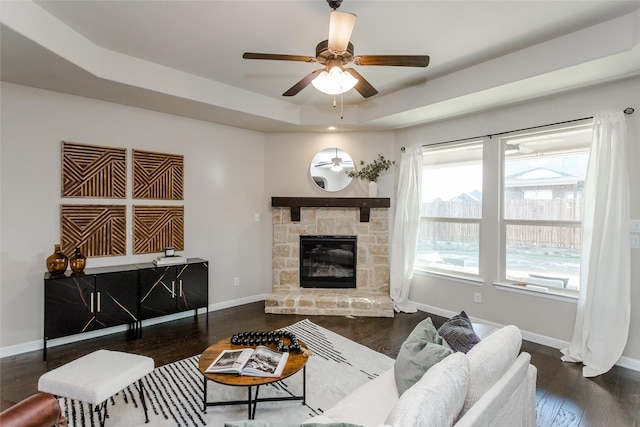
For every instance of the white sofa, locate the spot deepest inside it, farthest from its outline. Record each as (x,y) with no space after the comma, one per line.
(492,385)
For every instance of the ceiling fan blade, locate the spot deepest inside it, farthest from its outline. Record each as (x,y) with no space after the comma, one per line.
(363,87)
(278,57)
(306,80)
(340,28)
(393,60)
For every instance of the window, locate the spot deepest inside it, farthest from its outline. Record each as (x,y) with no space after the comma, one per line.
(531,223)
(451,209)
(543,183)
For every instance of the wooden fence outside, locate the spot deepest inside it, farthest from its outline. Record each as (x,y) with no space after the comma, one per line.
(520,235)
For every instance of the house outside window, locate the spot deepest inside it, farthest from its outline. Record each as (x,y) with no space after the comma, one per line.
(451,210)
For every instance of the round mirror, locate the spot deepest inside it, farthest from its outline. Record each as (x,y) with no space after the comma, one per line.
(329,169)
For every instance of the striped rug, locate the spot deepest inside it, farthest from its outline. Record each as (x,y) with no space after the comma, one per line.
(175,391)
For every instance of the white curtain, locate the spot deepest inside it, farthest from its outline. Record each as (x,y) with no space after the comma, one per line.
(405,229)
(604,307)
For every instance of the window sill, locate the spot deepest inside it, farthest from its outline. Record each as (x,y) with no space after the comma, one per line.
(539,291)
(469,280)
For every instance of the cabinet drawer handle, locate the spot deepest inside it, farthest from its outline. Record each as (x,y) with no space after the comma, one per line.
(92,302)
(173,289)
(180,288)
(98,302)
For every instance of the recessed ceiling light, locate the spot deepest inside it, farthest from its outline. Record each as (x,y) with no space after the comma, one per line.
(332,128)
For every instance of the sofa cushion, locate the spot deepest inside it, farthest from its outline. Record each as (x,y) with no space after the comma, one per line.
(437,398)
(511,401)
(458,332)
(422,349)
(489,360)
(368,405)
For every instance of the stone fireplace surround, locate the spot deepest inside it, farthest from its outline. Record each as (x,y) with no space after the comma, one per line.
(366,218)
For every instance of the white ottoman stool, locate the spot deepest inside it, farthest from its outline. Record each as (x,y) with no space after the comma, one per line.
(96,377)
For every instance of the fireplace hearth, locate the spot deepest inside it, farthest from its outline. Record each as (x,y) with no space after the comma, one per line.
(328,261)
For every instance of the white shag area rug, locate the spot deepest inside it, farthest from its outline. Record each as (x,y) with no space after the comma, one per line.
(174,392)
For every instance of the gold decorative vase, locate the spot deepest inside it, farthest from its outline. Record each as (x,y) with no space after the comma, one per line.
(57,262)
(77,261)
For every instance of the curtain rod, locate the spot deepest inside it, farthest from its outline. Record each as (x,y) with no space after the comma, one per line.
(627,111)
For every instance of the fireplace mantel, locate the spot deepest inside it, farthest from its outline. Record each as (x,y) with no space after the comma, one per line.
(363,203)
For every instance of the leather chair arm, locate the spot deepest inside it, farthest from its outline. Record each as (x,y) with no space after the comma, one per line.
(38,410)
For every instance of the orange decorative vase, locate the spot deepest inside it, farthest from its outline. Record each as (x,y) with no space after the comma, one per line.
(77,261)
(57,262)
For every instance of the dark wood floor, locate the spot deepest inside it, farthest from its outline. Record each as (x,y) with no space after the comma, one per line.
(565,397)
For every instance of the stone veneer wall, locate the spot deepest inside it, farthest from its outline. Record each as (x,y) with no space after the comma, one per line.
(371,296)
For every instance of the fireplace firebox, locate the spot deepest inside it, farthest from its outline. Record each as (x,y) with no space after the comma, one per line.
(328,261)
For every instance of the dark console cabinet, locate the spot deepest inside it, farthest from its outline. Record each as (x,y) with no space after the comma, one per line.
(67,305)
(94,300)
(172,289)
(120,295)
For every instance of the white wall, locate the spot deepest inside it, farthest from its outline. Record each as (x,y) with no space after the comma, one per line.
(288,157)
(549,320)
(224,188)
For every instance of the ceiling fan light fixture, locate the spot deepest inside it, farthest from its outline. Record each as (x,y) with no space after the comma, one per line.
(334,82)
(340,28)
(337,163)
(337,50)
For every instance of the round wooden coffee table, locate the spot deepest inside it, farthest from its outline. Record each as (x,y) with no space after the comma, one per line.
(295,363)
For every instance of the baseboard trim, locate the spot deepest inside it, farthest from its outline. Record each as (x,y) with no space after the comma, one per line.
(237,302)
(629,363)
(624,362)
(39,344)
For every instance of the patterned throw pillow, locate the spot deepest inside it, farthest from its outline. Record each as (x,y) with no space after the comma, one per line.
(458,332)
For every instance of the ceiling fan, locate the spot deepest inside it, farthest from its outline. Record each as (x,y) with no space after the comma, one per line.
(334,54)
(336,163)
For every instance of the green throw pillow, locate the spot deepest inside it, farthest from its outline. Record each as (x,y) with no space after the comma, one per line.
(458,332)
(421,350)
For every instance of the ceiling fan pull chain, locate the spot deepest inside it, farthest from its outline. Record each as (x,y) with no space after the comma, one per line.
(341,106)
(334,101)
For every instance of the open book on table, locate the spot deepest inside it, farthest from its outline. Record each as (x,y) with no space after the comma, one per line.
(259,362)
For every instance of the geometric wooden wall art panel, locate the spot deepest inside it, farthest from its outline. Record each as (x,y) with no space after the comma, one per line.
(92,171)
(157,176)
(99,230)
(156,227)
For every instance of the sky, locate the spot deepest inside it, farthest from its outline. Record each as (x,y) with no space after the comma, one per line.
(468,177)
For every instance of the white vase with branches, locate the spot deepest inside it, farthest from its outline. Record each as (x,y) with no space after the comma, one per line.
(371,172)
